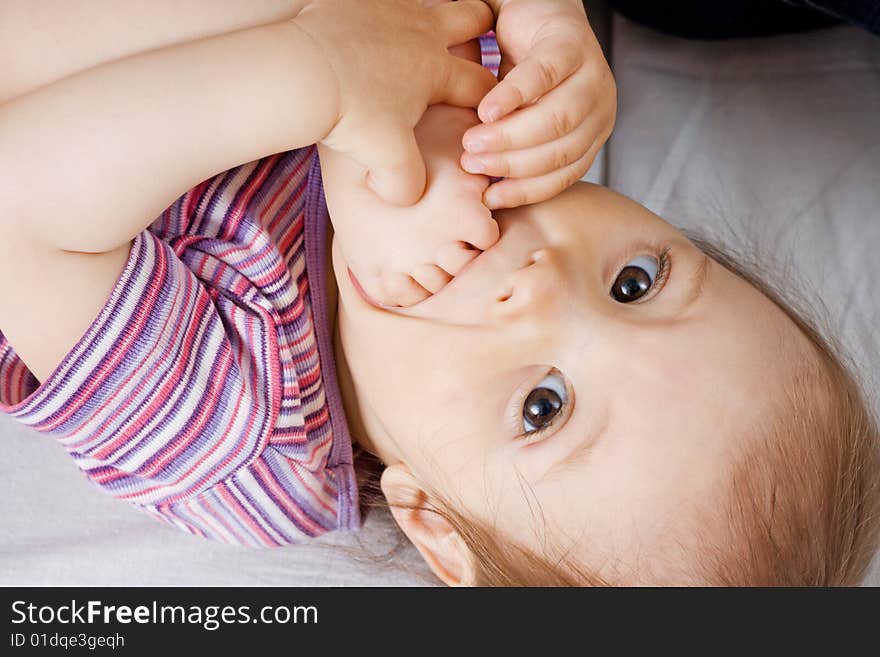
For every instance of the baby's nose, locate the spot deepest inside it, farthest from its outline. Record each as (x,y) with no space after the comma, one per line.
(538,287)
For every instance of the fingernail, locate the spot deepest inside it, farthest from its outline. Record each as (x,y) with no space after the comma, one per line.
(475,145)
(473,164)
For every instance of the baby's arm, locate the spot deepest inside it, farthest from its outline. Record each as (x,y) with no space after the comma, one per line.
(88,162)
(127,138)
(42,41)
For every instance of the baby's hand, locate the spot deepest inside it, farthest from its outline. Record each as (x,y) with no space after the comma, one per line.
(390,61)
(553,110)
(402,255)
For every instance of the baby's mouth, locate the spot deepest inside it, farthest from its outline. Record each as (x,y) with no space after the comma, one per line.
(465,298)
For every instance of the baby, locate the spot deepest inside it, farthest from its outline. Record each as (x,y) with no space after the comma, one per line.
(565,392)
(598,399)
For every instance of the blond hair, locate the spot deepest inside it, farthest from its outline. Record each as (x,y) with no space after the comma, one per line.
(803,504)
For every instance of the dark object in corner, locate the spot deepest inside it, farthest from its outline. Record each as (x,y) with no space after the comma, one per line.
(727,19)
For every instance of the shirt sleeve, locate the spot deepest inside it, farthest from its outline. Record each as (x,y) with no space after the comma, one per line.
(169,401)
(490,54)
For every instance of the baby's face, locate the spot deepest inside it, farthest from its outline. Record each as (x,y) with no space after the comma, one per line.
(584,379)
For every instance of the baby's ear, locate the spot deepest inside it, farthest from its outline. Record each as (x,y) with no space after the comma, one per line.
(441,546)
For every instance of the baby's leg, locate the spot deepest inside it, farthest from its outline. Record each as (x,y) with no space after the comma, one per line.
(42,41)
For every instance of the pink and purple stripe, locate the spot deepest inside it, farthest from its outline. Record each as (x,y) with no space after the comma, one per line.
(204,392)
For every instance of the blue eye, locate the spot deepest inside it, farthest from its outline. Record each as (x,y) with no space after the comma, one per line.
(544,403)
(636,279)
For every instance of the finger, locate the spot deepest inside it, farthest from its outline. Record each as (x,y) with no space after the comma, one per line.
(396,171)
(464,84)
(550,62)
(535,161)
(469,50)
(504,67)
(514,192)
(402,290)
(479,231)
(431,277)
(370,285)
(554,116)
(463,20)
(453,257)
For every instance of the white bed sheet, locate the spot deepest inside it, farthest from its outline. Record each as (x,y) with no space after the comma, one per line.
(774,140)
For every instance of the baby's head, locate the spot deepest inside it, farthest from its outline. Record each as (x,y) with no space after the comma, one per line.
(598,399)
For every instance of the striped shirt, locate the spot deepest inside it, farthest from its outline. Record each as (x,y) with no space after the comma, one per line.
(205,392)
